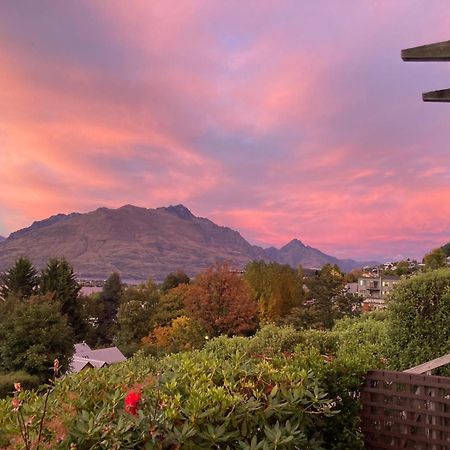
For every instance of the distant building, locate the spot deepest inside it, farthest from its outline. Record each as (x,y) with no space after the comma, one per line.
(351,288)
(375,289)
(85,358)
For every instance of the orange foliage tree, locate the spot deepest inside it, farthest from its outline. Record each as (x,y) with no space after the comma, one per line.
(220,301)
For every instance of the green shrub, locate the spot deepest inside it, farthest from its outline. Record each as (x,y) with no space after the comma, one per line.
(278,389)
(7,381)
(419,318)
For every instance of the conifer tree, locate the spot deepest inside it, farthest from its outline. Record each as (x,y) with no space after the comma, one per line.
(110,298)
(21,280)
(59,279)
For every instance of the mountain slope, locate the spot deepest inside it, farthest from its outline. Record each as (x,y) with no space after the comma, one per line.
(136,242)
(139,243)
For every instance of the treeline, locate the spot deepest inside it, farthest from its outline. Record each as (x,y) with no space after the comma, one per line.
(42,314)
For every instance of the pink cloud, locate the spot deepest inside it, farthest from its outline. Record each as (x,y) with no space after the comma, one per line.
(281,120)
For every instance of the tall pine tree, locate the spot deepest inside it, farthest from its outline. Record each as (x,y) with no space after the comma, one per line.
(21,280)
(58,278)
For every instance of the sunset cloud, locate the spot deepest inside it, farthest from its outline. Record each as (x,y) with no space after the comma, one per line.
(279,119)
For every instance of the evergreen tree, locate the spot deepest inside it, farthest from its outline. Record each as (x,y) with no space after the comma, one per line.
(58,279)
(323,290)
(110,298)
(20,281)
(173,280)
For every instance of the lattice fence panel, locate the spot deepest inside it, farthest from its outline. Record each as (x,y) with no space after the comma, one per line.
(402,410)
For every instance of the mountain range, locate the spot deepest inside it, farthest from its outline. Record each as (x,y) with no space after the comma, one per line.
(140,243)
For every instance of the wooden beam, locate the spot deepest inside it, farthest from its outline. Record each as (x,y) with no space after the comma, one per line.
(437,96)
(440,51)
(430,365)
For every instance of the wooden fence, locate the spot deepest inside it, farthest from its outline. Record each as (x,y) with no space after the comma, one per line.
(405,410)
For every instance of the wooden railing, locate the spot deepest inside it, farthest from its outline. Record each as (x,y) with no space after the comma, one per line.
(405,410)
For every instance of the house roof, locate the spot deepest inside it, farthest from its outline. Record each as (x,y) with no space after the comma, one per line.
(82,347)
(85,357)
(77,364)
(109,355)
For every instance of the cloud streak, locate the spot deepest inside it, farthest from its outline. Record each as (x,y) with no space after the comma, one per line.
(280,119)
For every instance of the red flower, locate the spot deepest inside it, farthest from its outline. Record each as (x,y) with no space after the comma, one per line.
(131,402)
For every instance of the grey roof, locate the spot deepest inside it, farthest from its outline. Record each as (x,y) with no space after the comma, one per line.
(108,355)
(84,356)
(82,347)
(77,364)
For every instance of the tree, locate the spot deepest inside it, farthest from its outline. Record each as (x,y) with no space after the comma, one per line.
(402,268)
(324,289)
(146,293)
(91,309)
(446,249)
(133,316)
(220,301)
(170,306)
(419,318)
(21,280)
(276,288)
(173,280)
(347,304)
(435,259)
(32,335)
(183,333)
(59,279)
(110,297)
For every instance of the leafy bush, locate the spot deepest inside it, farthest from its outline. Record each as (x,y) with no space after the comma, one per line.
(7,381)
(419,318)
(277,389)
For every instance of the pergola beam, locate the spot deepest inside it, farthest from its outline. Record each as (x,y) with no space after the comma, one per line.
(437,96)
(439,51)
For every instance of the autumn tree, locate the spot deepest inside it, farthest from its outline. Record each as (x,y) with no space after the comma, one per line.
(276,288)
(183,333)
(20,281)
(220,301)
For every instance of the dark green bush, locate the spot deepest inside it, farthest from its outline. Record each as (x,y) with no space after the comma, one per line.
(7,381)
(419,319)
(279,389)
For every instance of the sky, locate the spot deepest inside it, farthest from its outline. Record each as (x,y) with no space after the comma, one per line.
(280,119)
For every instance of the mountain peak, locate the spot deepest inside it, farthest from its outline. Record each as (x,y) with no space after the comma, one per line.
(180,211)
(295,243)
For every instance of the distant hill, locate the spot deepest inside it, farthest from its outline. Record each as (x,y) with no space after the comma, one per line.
(140,242)
(2,238)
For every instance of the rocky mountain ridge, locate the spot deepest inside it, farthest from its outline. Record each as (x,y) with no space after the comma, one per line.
(140,243)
